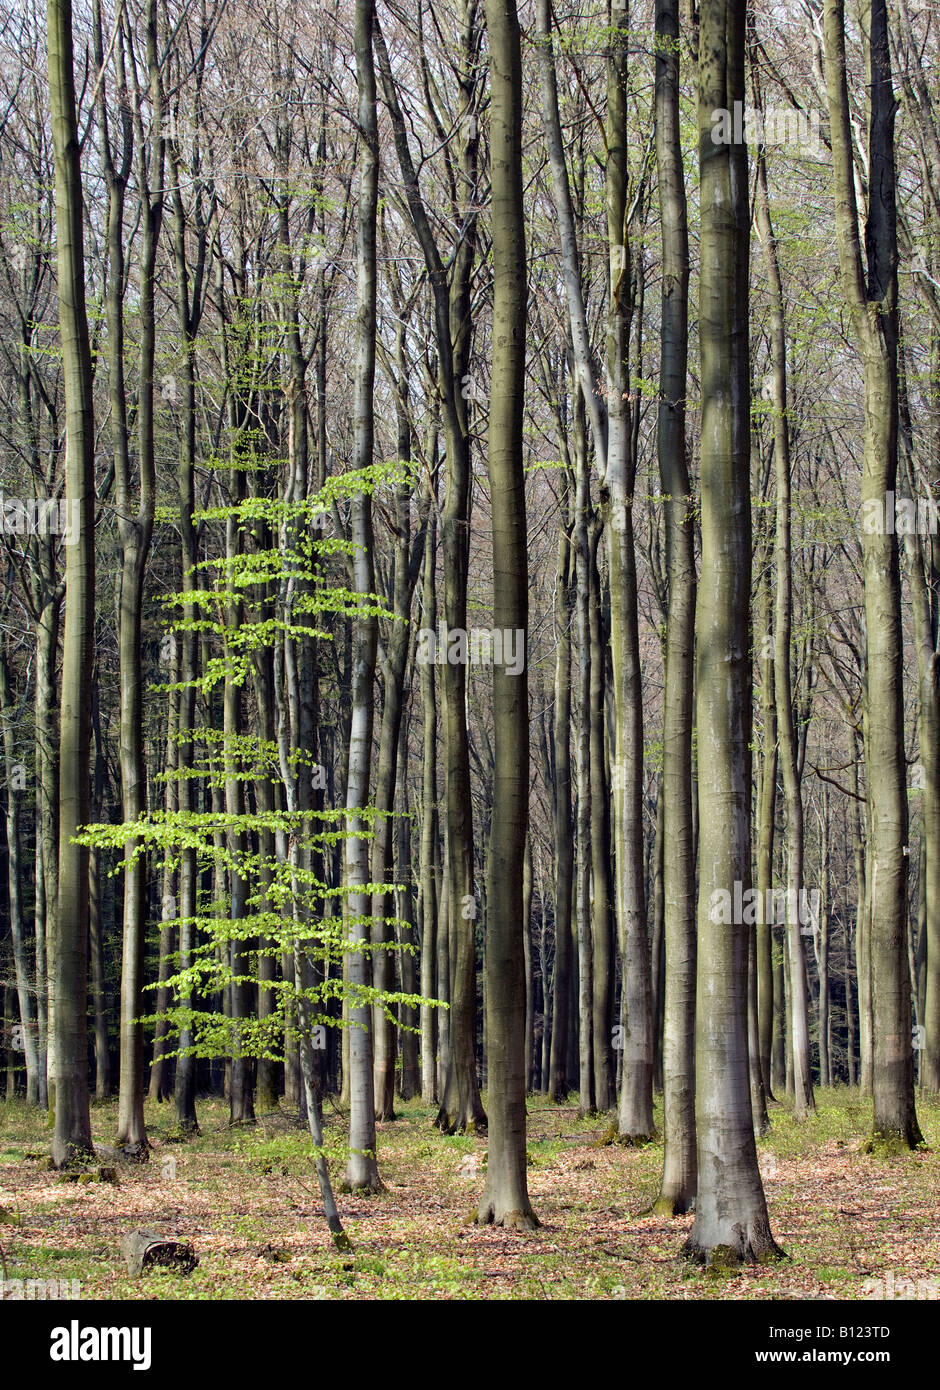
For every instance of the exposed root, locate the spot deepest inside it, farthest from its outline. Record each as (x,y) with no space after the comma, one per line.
(635,1141)
(720,1260)
(487,1215)
(612,1135)
(454,1124)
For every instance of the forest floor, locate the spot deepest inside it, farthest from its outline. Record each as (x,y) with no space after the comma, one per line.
(247,1200)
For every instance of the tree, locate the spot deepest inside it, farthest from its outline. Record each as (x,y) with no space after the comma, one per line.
(362,1172)
(505,1199)
(677,1191)
(68,945)
(871,293)
(731,1221)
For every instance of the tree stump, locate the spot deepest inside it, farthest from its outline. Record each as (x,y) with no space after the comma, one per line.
(147,1250)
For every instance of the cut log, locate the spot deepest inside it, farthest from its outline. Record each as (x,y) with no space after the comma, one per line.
(147,1250)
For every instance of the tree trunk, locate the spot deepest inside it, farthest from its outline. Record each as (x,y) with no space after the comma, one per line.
(635,1116)
(68,943)
(677,1189)
(564,839)
(731,1221)
(872,299)
(362,1172)
(505,1199)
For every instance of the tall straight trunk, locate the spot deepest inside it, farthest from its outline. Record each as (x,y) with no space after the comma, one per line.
(657,902)
(605,966)
(824,1018)
(677,1189)
(266,800)
(24,988)
(9,1017)
(505,1199)
(443,976)
(241,1099)
(188,312)
(766,831)
(635,1115)
(529,963)
(862,952)
(99,1001)
(159,1086)
(803,1102)
(731,1218)
(871,293)
(562,1020)
(393,670)
(68,944)
(430,849)
(160,1070)
(587,968)
(135,530)
(405,911)
(362,1172)
(96,970)
(47,812)
(759,1115)
(924,579)
(849,1006)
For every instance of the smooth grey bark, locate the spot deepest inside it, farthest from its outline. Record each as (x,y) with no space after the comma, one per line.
(562,1017)
(362,1172)
(766,832)
(731,1221)
(505,1199)
(635,1111)
(677,1188)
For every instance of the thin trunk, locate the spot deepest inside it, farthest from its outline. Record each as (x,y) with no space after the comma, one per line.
(677,1189)
(68,942)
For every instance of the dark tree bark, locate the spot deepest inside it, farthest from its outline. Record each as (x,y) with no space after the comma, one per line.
(68,944)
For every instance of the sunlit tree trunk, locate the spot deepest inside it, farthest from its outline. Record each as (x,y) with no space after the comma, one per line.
(362,1170)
